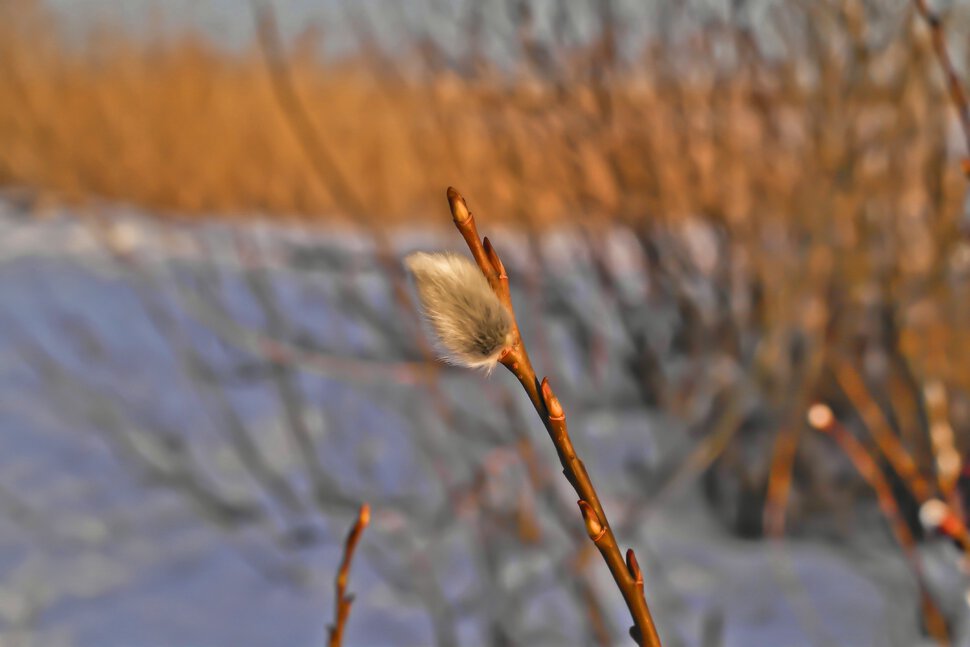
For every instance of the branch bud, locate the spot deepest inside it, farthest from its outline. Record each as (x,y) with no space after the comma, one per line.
(593,525)
(459,210)
(636,634)
(552,402)
(493,258)
(633,566)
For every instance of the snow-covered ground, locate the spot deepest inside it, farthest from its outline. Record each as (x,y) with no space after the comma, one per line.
(136,368)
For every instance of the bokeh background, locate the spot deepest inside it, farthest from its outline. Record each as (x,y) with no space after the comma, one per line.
(714,215)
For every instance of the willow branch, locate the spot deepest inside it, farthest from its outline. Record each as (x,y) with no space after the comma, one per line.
(954,86)
(343,601)
(854,387)
(822,419)
(625,570)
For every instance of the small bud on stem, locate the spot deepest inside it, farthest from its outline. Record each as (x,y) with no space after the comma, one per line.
(593,525)
(634,567)
(552,402)
(459,209)
(493,258)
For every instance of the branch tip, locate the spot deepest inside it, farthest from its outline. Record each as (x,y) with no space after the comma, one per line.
(459,210)
(343,600)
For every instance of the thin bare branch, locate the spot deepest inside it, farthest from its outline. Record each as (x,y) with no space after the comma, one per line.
(953,83)
(343,601)
(626,571)
(822,419)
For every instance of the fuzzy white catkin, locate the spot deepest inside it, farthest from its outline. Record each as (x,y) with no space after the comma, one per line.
(472,325)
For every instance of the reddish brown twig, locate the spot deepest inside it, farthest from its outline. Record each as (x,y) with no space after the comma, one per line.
(879,428)
(957,93)
(822,419)
(343,601)
(626,572)
(780,480)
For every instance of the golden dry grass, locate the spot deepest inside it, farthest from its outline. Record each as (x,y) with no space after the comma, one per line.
(176,124)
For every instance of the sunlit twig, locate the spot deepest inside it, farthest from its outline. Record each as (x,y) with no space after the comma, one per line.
(343,602)
(626,572)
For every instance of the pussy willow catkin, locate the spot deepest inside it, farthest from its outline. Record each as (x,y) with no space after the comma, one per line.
(471,324)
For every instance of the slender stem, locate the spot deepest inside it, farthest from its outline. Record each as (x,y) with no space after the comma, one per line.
(343,601)
(626,571)
(854,387)
(867,467)
(955,88)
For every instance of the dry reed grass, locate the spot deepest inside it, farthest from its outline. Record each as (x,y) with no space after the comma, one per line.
(819,136)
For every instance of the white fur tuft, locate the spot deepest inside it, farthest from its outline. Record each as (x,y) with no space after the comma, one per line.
(472,325)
